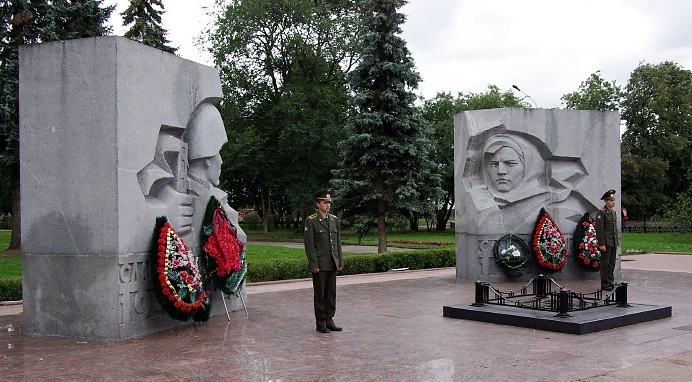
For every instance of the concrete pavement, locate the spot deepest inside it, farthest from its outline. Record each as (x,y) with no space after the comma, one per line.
(393,331)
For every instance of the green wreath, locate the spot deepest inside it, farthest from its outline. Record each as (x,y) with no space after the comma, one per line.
(511,253)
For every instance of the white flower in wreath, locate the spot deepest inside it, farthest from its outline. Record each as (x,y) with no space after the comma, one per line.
(510,252)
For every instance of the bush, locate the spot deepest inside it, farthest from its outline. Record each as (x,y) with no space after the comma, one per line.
(289,269)
(11,289)
(5,221)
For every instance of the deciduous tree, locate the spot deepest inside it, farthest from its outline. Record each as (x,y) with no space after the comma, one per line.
(283,66)
(658,113)
(595,93)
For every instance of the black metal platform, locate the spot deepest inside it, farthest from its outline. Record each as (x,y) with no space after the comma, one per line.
(579,322)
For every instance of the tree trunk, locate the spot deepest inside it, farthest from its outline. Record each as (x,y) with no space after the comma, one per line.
(413,221)
(382,226)
(265,215)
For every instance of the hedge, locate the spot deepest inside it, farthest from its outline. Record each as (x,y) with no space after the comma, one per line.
(11,289)
(289,269)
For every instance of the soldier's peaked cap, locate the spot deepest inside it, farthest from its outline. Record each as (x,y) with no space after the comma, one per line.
(324,194)
(609,194)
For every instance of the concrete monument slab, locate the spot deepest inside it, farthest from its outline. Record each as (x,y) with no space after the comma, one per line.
(510,163)
(113,134)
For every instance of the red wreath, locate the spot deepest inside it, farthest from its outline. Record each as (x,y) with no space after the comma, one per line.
(178,282)
(223,245)
(549,244)
(586,244)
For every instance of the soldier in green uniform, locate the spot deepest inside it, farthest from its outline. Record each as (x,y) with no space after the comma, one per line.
(607,235)
(322,238)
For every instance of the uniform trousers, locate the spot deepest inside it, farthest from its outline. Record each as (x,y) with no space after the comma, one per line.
(608,265)
(324,287)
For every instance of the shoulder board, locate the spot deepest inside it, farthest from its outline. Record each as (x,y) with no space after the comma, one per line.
(333,216)
(312,216)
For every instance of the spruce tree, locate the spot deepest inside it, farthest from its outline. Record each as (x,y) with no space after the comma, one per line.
(146,24)
(30,22)
(386,166)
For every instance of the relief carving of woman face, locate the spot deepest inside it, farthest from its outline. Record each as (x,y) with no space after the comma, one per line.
(503,164)
(505,169)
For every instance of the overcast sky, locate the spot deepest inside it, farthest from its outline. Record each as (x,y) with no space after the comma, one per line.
(545,47)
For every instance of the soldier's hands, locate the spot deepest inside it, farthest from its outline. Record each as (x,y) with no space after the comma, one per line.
(179,209)
(315,270)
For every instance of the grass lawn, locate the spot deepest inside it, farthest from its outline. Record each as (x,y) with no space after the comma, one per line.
(656,242)
(10,264)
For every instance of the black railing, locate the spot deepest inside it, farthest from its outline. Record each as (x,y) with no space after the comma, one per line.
(542,297)
(653,226)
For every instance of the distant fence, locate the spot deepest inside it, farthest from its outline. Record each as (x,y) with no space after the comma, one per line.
(653,226)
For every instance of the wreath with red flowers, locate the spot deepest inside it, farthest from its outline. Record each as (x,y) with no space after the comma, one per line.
(586,244)
(177,280)
(224,255)
(549,244)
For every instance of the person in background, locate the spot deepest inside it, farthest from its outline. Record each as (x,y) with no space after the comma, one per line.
(625,218)
(607,235)
(322,239)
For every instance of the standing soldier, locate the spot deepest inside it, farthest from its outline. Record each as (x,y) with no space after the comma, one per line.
(322,238)
(607,234)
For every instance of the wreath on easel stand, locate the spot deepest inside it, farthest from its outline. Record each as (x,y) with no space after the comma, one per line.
(549,244)
(223,253)
(586,244)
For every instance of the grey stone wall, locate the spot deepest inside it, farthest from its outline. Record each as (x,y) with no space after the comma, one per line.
(560,160)
(98,165)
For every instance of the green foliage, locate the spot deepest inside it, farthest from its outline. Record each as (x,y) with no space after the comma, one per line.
(282,66)
(5,223)
(252,221)
(643,184)
(10,275)
(658,112)
(680,210)
(10,289)
(439,112)
(146,24)
(277,269)
(595,93)
(5,239)
(386,165)
(288,269)
(363,225)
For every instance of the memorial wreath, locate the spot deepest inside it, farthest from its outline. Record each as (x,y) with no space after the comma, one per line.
(177,279)
(224,260)
(549,244)
(586,243)
(511,253)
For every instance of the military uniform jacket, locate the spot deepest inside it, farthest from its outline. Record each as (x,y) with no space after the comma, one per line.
(322,241)
(607,227)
